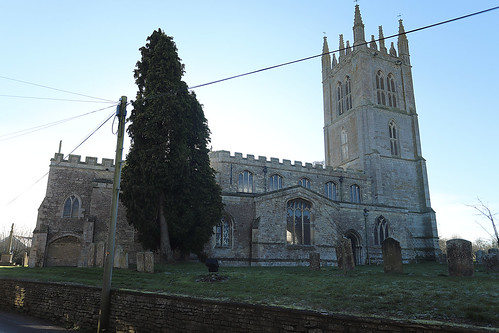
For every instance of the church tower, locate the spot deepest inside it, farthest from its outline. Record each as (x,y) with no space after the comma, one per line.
(371,124)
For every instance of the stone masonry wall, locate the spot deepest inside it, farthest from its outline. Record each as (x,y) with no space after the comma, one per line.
(77,307)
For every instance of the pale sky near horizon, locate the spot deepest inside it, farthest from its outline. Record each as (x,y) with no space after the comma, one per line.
(91,48)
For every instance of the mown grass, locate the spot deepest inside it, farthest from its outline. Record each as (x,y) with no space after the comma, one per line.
(424,291)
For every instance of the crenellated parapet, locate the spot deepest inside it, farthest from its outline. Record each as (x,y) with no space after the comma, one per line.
(224,156)
(74,161)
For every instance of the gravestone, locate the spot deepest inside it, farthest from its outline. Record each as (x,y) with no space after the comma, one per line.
(392,256)
(491,260)
(460,257)
(91,255)
(148,262)
(315,261)
(140,261)
(120,258)
(442,258)
(100,254)
(25,259)
(479,256)
(344,255)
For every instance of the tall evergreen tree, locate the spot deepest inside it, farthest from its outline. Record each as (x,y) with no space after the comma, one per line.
(169,188)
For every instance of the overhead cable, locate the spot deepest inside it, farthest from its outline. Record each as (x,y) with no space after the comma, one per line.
(72,151)
(12,135)
(56,99)
(65,91)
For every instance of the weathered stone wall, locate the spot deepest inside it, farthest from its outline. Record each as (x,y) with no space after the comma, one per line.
(78,307)
(229,166)
(69,241)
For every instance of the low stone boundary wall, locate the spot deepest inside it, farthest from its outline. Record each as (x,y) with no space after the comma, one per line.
(77,307)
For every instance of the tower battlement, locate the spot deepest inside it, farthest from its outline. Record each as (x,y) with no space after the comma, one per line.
(75,161)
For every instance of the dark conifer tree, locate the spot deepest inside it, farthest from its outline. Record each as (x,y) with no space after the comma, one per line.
(168,186)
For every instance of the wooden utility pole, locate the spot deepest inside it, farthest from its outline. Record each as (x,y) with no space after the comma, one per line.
(109,262)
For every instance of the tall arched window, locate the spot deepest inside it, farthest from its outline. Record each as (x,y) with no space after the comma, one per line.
(390,87)
(245,183)
(355,193)
(380,88)
(305,182)
(339,97)
(71,207)
(348,94)
(344,144)
(298,222)
(223,232)
(394,144)
(380,230)
(275,182)
(330,190)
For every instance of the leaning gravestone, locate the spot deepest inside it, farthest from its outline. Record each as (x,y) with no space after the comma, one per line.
(460,257)
(315,261)
(392,256)
(344,255)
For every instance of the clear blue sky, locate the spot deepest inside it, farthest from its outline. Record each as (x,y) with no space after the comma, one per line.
(91,47)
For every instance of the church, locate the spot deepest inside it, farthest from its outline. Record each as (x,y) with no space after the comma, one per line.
(373,183)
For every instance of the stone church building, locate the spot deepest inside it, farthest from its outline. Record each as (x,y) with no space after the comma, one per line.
(373,185)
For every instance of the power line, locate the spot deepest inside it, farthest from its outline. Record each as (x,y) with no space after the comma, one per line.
(47,87)
(319,55)
(12,135)
(55,99)
(72,151)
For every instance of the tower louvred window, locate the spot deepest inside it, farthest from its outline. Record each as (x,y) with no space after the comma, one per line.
(394,144)
(390,85)
(380,88)
(339,90)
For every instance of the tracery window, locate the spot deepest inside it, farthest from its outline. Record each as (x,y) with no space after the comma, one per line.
(245,183)
(71,207)
(275,182)
(305,182)
(330,190)
(344,95)
(344,144)
(380,230)
(298,222)
(348,94)
(380,88)
(390,87)
(355,193)
(339,95)
(394,144)
(223,232)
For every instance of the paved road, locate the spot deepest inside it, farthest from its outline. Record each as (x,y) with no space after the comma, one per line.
(12,322)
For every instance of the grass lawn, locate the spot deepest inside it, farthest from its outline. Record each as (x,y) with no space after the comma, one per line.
(424,291)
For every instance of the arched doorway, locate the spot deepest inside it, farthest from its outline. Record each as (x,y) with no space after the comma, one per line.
(64,251)
(356,245)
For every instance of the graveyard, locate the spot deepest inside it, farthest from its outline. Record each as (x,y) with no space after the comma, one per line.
(423,291)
